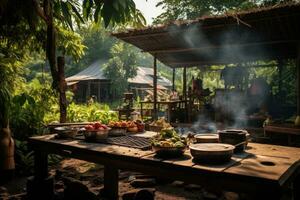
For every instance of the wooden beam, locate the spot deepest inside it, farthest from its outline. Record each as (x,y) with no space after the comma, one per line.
(298,83)
(173,80)
(280,67)
(155,88)
(184,83)
(185,95)
(176,50)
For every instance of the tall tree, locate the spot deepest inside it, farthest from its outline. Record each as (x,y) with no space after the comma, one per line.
(191,9)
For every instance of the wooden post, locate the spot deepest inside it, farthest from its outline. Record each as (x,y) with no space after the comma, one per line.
(154,88)
(280,66)
(297,121)
(184,84)
(184,95)
(173,80)
(111,182)
(88,93)
(62,89)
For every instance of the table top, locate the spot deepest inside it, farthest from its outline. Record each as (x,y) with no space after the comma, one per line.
(270,163)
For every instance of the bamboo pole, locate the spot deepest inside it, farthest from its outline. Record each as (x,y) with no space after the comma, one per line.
(173,80)
(154,88)
(184,95)
(297,121)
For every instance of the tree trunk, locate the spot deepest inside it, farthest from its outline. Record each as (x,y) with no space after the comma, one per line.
(51,43)
(62,89)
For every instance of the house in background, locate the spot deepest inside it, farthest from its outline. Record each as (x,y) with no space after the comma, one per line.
(92,82)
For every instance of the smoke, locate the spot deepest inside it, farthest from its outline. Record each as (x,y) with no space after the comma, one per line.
(220,46)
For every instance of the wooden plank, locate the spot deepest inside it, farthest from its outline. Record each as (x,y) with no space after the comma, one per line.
(266,167)
(274,151)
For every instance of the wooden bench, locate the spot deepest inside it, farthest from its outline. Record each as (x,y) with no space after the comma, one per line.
(288,129)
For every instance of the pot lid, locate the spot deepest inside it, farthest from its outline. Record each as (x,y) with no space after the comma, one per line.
(212,147)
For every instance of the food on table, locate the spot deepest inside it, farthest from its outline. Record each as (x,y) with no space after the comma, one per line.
(95,127)
(168,138)
(161,123)
(131,126)
(95,131)
(168,144)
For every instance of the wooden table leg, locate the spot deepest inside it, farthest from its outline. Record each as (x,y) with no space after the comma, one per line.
(111,182)
(296,187)
(40,165)
(41,186)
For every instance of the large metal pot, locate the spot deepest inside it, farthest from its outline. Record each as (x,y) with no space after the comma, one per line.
(235,137)
(211,152)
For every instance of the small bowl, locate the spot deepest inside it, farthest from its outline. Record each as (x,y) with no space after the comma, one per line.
(169,152)
(96,135)
(207,138)
(65,132)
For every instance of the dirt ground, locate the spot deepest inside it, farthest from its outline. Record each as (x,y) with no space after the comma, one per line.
(90,176)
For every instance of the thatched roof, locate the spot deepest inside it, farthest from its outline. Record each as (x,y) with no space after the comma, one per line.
(260,34)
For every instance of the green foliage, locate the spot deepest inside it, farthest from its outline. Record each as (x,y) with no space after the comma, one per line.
(98,43)
(191,9)
(31,103)
(121,67)
(113,12)
(93,112)
(70,43)
(24,158)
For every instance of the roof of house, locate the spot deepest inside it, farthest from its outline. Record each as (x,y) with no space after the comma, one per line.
(145,76)
(95,72)
(259,34)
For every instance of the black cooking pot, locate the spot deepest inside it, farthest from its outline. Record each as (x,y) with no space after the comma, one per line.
(238,138)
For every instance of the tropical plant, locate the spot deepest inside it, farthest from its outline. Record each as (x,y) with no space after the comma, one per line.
(121,67)
(93,112)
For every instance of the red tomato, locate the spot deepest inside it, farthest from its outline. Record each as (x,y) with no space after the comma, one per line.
(89,127)
(104,126)
(97,125)
(124,124)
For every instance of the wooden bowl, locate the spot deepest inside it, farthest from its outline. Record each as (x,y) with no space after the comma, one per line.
(207,138)
(169,152)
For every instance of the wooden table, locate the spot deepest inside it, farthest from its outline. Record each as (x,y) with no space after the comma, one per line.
(263,170)
(169,104)
(288,129)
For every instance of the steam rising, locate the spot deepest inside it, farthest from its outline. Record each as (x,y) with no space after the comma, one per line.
(219,47)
